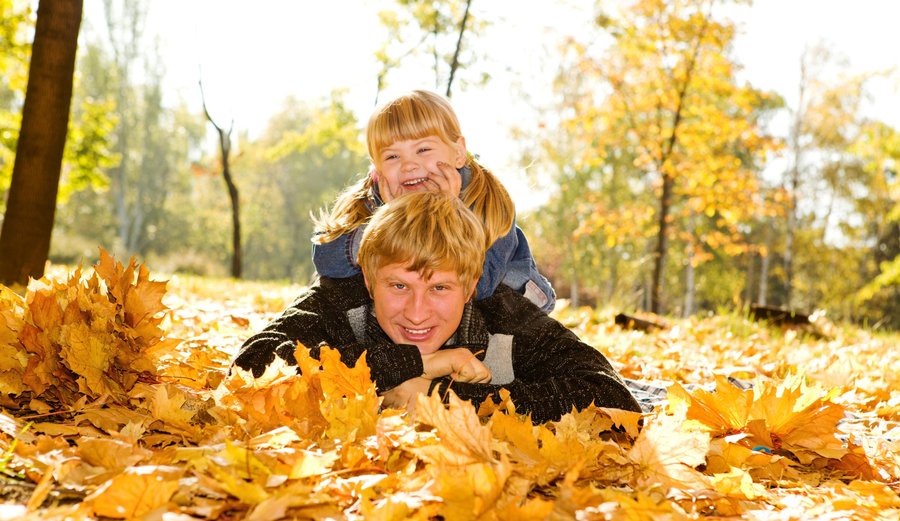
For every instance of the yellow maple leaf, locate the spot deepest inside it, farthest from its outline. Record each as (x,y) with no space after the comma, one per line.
(722,412)
(116,276)
(469,491)
(44,310)
(350,402)
(143,302)
(738,484)
(463,440)
(666,454)
(520,437)
(135,492)
(638,506)
(628,420)
(89,355)
(43,369)
(312,463)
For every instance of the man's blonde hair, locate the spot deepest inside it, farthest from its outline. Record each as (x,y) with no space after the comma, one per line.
(426,232)
(414,116)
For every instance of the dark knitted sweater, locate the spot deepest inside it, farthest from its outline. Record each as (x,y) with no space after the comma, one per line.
(544,366)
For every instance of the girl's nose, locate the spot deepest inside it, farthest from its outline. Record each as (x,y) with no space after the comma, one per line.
(409,165)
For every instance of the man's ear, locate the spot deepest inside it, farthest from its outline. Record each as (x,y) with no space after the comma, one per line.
(472,290)
(461,157)
(366,281)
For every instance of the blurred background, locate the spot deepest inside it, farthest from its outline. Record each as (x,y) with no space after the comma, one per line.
(677,156)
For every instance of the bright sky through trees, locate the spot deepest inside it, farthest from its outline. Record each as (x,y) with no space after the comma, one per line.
(253,55)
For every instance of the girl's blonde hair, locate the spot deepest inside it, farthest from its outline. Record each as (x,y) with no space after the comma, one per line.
(426,232)
(414,116)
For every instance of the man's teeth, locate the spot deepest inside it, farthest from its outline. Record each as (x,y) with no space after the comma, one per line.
(418,331)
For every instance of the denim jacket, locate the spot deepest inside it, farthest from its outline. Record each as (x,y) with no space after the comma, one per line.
(508,261)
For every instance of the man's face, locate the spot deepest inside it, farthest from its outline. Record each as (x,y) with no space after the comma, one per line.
(411,310)
(412,165)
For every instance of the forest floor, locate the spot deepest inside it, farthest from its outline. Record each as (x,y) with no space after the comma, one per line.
(116,404)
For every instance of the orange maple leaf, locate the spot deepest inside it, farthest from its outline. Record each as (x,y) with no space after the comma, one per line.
(135,492)
(797,418)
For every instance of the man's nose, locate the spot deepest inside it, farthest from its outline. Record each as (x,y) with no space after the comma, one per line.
(417,308)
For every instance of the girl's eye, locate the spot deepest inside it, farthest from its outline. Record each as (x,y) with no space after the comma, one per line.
(389,157)
(424,149)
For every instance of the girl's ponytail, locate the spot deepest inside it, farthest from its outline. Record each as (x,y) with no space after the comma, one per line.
(490,201)
(350,211)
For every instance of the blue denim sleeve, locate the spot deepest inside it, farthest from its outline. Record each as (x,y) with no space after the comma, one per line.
(509,261)
(337,259)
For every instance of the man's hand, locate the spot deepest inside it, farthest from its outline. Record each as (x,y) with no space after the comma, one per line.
(460,363)
(404,395)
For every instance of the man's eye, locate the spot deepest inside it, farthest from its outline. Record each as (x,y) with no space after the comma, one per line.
(440,287)
(398,286)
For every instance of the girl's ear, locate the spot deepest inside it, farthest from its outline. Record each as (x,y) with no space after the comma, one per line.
(461,157)
(373,174)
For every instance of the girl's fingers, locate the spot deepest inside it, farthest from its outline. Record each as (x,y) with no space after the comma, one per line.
(448,178)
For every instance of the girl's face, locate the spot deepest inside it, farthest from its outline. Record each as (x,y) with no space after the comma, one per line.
(427,163)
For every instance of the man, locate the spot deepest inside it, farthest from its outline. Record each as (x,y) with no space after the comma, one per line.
(413,314)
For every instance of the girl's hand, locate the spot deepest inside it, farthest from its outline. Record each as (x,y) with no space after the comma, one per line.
(460,363)
(447,179)
(381,185)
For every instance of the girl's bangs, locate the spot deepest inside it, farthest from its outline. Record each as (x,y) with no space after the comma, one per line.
(406,121)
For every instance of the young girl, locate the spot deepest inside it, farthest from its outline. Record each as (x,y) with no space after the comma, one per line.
(415,143)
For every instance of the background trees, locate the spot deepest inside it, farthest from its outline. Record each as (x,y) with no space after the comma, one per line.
(671,182)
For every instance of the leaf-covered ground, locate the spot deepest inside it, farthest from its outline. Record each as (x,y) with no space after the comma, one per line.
(116,404)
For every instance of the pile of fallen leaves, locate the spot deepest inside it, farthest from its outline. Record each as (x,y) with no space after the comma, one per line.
(117,403)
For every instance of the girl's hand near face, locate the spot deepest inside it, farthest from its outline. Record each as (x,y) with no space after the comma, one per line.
(447,179)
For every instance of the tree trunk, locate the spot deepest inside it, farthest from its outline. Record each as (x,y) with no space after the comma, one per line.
(690,274)
(668,178)
(793,182)
(662,244)
(454,64)
(225,141)
(574,286)
(764,262)
(225,148)
(31,204)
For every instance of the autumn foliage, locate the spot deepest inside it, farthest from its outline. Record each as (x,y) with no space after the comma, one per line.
(117,404)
